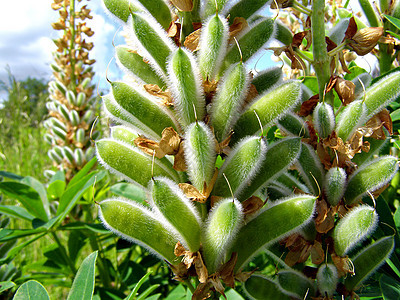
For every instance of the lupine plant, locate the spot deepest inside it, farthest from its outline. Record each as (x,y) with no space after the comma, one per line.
(71,103)
(196,131)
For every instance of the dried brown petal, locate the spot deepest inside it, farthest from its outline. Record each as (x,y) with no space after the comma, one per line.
(298,39)
(281,4)
(345,90)
(155,90)
(179,161)
(192,40)
(343,265)
(149,146)
(308,106)
(243,276)
(365,40)
(202,291)
(201,270)
(170,141)
(60,25)
(183,5)
(237,26)
(292,257)
(192,193)
(226,271)
(252,205)
(351,29)
(343,62)
(217,284)
(317,253)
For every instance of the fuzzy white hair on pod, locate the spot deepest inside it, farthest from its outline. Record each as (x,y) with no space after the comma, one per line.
(329,116)
(177,191)
(177,89)
(150,215)
(205,40)
(141,49)
(250,173)
(327,279)
(200,170)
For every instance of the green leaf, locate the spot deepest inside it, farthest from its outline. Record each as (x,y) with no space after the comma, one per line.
(8,234)
(16,211)
(390,287)
(10,175)
(83,285)
(130,191)
(394,34)
(393,20)
(260,287)
(56,186)
(132,295)
(78,176)
(6,285)
(27,196)
(31,290)
(16,250)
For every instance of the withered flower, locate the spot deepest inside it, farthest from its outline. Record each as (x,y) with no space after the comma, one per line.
(345,90)
(365,40)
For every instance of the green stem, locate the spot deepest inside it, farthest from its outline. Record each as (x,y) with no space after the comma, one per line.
(190,285)
(64,253)
(320,54)
(385,59)
(300,7)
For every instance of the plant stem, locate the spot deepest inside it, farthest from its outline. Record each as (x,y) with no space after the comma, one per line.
(320,54)
(190,285)
(64,253)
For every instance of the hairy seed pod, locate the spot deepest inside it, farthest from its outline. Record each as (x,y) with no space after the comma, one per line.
(213,42)
(224,221)
(88,116)
(80,135)
(54,156)
(74,118)
(245,8)
(310,168)
(63,110)
(152,41)
(269,227)
(278,158)
(90,153)
(374,148)
(295,284)
(353,228)
(370,177)
(141,110)
(59,133)
(159,10)
(381,93)
(353,116)
(169,199)
(138,225)
(80,99)
(56,68)
(58,150)
(85,83)
(120,8)
(200,154)
(79,156)
(324,119)
(240,167)
(250,42)
(49,139)
(71,97)
(60,87)
(335,185)
(186,87)
(123,133)
(292,125)
(266,79)
(132,63)
(69,154)
(368,260)
(260,287)
(229,99)
(131,163)
(327,279)
(57,123)
(211,7)
(283,33)
(269,106)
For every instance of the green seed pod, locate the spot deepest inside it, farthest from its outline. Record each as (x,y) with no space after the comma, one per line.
(213,42)
(49,139)
(80,135)
(56,68)
(57,123)
(138,225)
(324,119)
(123,133)
(186,87)
(159,10)
(353,116)
(71,97)
(74,118)
(292,181)
(131,163)
(278,158)
(353,228)
(80,99)
(68,154)
(90,153)
(374,148)
(381,93)
(269,106)
(283,33)
(88,116)
(49,174)
(200,154)
(370,177)
(368,260)
(63,110)
(120,8)
(292,125)
(132,63)
(229,99)
(335,185)
(327,279)
(223,224)
(366,79)
(152,41)
(58,150)
(266,79)
(169,199)
(310,168)
(279,220)
(250,42)
(54,156)
(210,7)
(245,8)
(85,83)
(240,167)
(60,87)
(59,133)
(295,284)
(259,287)
(79,156)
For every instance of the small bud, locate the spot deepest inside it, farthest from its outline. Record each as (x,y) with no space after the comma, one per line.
(365,40)
(183,5)
(345,90)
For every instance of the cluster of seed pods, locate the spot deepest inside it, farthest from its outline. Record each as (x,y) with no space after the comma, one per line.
(176,112)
